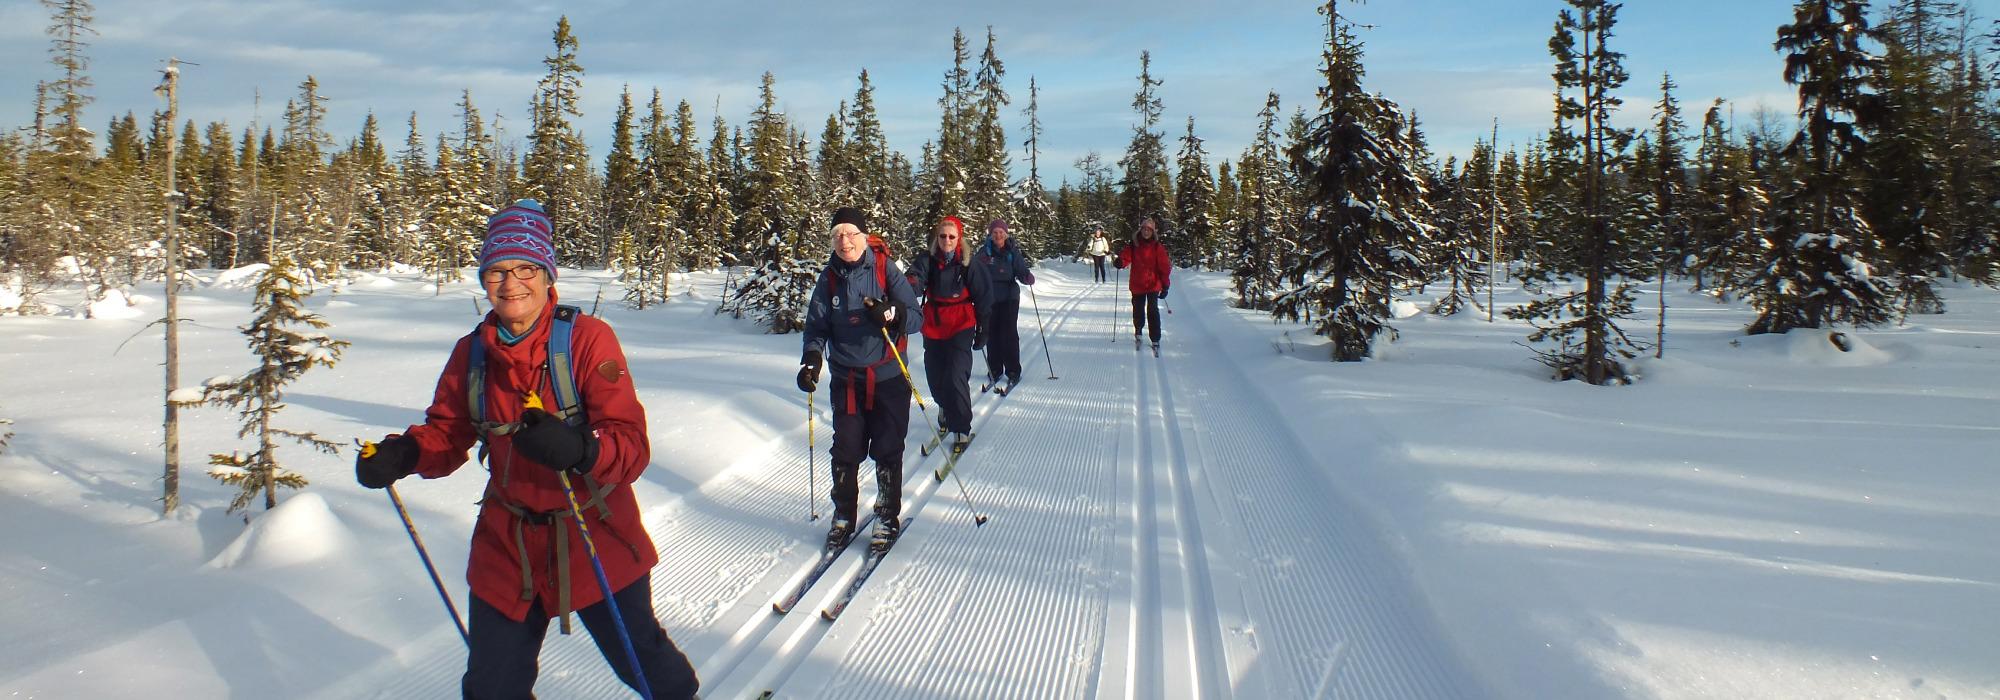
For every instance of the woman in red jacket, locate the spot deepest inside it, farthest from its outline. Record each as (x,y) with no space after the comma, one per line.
(529,562)
(1151,276)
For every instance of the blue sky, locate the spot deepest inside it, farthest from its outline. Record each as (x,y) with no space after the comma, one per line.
(1459,63)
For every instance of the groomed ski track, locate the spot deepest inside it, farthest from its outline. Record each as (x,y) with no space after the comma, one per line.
(1155,532)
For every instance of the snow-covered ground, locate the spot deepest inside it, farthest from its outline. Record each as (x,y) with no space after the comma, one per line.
(1759,517)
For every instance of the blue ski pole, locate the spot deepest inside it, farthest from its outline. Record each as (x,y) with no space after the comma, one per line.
(603,583)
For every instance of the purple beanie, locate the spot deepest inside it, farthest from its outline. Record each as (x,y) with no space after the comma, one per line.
(520,232)
(996,223)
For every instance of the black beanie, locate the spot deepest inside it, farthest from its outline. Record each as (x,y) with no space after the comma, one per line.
(850,215)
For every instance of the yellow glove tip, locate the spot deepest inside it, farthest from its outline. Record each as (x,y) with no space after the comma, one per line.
(534,400)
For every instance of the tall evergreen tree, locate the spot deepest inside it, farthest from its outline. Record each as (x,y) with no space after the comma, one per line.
(945,189)
(456,217)
(1194,203)
(775,293)
(1145,163)
(986,186)
(623,189)
(1260,231)
(1224,214)
(1031,199)
(556,170)
(1583,210)
(307,224)
(705,214)
(413,203)
(1906,202)
(1367,224)
(1816,264)
(213,207)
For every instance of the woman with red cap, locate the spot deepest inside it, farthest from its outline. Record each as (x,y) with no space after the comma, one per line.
(957,297)
(1152,275)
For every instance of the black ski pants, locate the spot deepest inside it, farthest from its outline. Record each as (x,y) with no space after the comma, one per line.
(948,368)
(1003,338)
(1146,314)
(1099,264)
(505,656)
(875,430)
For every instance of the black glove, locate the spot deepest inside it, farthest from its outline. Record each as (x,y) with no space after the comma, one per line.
(554,444)
(979,338)
(883,311)
(1163,292)
(393,458)
(809,371)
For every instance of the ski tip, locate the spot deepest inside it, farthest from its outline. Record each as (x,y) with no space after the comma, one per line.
(978,520)
(778,608)
(828,615)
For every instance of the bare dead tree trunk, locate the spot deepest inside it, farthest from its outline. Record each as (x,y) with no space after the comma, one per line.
(171,489)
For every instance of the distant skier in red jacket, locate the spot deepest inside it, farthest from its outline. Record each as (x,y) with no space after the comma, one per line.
(1151,277)
(529,562)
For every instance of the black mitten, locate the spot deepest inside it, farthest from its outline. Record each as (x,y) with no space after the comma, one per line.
(554,444)
(393,458)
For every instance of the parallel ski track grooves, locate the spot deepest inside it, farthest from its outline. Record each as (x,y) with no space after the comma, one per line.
(943,610)
(1199,606)
(1332,619)
(800,640)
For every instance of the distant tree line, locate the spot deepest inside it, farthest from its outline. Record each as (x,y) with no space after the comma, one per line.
(1886,185)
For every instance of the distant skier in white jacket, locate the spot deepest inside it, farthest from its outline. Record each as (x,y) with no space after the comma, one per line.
(1099,248)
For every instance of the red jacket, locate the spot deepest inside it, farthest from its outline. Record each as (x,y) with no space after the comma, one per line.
(1151,268)
(612,406)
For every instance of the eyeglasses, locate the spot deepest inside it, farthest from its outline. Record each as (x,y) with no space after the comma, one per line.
(497,275)
(947,236)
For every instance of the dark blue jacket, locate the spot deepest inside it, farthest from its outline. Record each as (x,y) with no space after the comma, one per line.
(839,327)
(1007,267)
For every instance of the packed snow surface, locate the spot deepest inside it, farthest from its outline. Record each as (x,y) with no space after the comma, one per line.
(1758,516)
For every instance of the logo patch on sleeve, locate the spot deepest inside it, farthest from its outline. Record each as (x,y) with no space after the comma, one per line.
(610,370)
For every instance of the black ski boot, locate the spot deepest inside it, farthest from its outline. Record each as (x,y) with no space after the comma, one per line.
(839,534)
(886,532)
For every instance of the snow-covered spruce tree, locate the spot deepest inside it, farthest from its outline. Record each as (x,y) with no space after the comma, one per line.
(372,183)
(59,187)
(307,226)
(1145,165)
(1224,212)
(656,201)
(556,170)
(883,196)
(1259,235)
(1582,213)
(705,217)
(987,194)
(943,192)
(1031,199)
(1367,222)
(1907,199)
(620,198)
(284,352)
(1815,267)
(1461,205)
(1194,202)
(1726,215)
(775,292)
(456,218)
(1658,182)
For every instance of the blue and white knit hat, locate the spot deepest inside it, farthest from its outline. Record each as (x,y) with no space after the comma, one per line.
(520,232)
